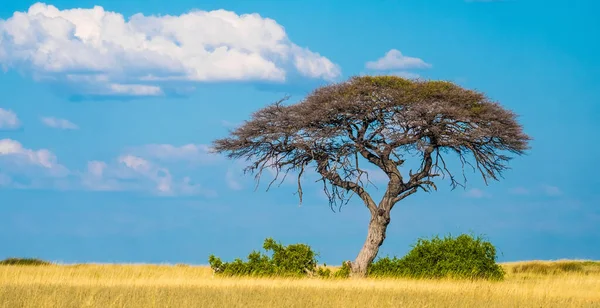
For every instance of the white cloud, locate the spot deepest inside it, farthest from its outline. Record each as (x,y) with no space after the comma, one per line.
(192,153)
(161,177)
(16,155)
(59,123)
(21,167)
(475,193)
(100,52)
(135,90)
(25,168)
(8,119)
(133,173)
(395,60)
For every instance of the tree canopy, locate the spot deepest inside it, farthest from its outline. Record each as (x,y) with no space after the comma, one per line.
(380,119)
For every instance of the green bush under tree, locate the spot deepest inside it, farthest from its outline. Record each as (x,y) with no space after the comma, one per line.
(461,257)
(291,260)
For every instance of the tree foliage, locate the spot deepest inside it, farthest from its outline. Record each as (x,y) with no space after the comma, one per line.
(382,119)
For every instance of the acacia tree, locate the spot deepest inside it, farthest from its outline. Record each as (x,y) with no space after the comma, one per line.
(381,120)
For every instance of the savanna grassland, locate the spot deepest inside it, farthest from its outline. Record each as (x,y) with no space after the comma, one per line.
(527,284)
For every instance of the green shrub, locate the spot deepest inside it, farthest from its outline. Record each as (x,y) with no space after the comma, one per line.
(291,260)
(24,261)
(454,257)
(344,271)
(324,272)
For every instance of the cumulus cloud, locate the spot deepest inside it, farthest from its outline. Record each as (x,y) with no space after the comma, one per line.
(21,167)
(59,123)
(13,155)
(395,60)
(8,119)
(100,52)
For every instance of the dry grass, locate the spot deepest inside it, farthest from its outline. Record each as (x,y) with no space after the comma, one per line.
(528,284)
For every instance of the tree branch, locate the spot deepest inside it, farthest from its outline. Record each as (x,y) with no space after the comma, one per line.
(335,179)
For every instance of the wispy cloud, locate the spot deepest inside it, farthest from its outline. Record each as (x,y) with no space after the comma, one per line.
(59,123)
(103,53)
(8,119)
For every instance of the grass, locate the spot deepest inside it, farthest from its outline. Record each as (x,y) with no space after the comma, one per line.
(527,284)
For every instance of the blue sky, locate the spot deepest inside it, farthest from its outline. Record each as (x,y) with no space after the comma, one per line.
(107,113)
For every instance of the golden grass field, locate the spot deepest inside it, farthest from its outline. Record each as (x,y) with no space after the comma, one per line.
(527,284)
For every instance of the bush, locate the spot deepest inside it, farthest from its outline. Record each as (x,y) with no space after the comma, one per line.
(324,272)
(292,260)
(454,257)
(24,261)
(344,271)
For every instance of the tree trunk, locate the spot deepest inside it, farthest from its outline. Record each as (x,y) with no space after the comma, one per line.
(375,237)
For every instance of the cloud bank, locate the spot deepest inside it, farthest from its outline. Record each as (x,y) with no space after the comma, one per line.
(98,52)
(25,168)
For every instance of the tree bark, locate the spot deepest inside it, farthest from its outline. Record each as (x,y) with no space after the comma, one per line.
(375,237)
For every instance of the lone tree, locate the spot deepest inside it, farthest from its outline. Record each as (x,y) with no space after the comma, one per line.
(383,121)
